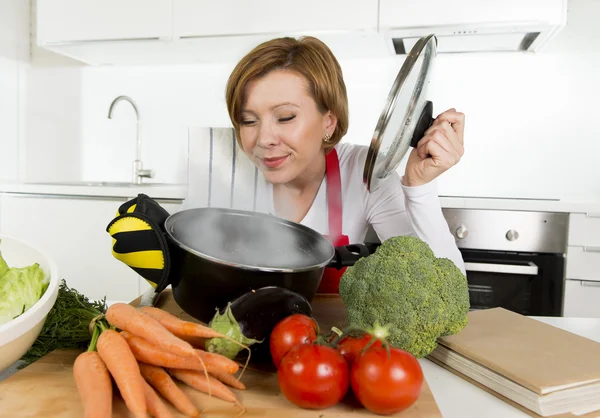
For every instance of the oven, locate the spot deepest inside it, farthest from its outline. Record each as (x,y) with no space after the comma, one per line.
(513,259)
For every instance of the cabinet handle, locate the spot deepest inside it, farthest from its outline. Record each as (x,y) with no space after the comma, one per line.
(589,283)
(592,214)
(591,249)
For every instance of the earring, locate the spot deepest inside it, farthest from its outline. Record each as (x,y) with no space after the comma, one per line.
(327,137)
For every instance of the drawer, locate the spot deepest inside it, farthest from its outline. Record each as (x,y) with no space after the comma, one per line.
(584,229)
(583,263)
(581,299)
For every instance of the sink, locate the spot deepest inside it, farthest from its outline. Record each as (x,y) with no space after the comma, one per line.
(100,184)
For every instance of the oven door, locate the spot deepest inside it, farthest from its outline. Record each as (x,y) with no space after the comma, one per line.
(517,282)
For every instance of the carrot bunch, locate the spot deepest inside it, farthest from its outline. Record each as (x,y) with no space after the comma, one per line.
(145,351)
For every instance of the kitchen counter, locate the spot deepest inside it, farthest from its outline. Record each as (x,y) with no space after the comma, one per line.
(99,189)
(179,192)
(458,398)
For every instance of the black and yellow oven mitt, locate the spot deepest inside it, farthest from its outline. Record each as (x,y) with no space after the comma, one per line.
(139,239)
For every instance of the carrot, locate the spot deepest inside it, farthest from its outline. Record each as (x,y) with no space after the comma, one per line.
(218,361)
(162,382)
(229,380)
(150,354)
(128,318)
(155,405)
(178,326)
(123,367)
(199,382)
(93,384)
(188,330)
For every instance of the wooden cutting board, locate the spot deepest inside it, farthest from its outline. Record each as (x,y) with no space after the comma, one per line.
(46,388)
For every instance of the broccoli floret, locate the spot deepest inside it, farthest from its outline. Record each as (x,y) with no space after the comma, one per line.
(405,287)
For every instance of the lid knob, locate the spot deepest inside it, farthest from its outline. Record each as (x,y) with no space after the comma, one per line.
(425,121)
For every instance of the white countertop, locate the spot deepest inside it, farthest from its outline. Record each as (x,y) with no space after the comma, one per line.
(458,398)
(99,189)
(179,192)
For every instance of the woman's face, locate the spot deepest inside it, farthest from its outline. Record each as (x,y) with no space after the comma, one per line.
(281,127)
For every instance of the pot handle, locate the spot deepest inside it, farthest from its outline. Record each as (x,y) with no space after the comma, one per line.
(347,255)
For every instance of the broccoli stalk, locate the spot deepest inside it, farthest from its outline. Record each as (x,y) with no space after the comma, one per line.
(405,287)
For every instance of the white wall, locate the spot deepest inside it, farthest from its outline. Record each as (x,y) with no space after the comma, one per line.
(14,52)
(54,132)
(529,117)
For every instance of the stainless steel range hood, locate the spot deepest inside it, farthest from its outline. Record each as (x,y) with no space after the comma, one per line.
(472,25)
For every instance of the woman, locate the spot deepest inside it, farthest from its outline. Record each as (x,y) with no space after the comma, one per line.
(288,105)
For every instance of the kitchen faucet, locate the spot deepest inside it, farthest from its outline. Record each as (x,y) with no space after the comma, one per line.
(138,171)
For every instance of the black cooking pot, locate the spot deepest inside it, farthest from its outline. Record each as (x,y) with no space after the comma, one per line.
(218,254)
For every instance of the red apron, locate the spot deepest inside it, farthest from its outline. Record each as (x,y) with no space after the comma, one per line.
(331,277)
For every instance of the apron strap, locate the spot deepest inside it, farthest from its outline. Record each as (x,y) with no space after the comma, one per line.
(334,194)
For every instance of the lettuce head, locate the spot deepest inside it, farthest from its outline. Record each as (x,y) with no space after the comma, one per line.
(20,289)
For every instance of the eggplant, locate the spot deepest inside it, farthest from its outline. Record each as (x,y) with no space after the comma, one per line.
(251,317)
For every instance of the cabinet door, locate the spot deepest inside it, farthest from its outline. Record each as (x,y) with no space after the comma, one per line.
(233,17)
(72,230)
(584,229)
(75,20)
(404,14)
(581,299)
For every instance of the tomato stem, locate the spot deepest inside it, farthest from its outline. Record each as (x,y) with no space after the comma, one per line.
(322,341)
(337,331)
(347,331)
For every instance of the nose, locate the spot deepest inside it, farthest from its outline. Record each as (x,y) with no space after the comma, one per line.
(267,135)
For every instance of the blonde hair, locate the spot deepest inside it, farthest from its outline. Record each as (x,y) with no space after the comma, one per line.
(309,57)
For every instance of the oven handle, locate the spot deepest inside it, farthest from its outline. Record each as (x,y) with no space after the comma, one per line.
(529,270)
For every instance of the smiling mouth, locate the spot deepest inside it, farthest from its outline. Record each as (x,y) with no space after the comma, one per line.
(273,162)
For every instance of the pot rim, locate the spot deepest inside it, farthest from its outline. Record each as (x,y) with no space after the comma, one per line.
(172,218)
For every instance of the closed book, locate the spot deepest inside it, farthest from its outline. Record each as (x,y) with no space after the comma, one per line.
(542,368)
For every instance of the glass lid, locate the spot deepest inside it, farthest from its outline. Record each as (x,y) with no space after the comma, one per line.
(406,115)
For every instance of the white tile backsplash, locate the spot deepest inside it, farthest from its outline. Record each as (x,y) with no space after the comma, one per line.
(529,129)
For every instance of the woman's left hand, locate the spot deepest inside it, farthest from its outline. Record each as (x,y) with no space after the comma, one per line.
(440,148)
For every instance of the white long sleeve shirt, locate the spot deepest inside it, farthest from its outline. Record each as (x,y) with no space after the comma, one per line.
(392,210)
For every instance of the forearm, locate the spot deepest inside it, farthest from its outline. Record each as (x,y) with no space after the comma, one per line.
(427,219)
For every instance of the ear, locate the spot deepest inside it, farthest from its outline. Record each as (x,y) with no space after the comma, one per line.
(329,122)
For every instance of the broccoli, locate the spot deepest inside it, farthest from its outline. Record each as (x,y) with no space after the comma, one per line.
(403,286)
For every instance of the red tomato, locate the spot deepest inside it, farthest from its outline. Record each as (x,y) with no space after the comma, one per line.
(313,376)
(386,385)
(352,347)
(291,331)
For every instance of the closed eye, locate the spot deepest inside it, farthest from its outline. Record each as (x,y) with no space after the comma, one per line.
(287,119)
(248,122)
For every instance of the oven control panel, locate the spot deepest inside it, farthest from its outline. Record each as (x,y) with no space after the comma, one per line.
(504,230)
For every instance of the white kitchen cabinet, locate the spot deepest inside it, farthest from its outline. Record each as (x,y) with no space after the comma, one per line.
(582,299)
(582,284)
(583,262)
(584,229)
(431,13)
(72,230)
(63,21)
(232,17)
(132,32)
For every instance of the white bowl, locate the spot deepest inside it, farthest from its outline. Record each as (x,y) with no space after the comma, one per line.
(18,335)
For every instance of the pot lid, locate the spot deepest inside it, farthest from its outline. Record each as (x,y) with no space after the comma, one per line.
(406,115)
